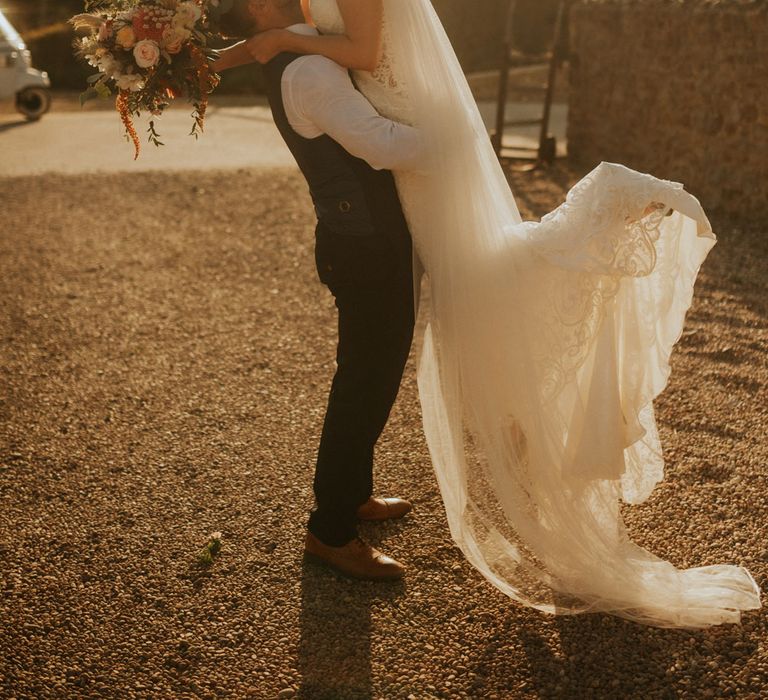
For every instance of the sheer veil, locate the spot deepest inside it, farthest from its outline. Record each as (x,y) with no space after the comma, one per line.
(546,345)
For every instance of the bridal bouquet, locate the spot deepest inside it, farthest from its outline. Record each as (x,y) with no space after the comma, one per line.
(148,53)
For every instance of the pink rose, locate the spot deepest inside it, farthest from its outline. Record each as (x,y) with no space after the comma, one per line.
(146,53)
(174,38)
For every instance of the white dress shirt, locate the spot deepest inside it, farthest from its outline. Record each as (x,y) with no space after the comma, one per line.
(320,98)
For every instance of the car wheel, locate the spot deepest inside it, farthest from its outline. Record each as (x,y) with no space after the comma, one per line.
(33,102)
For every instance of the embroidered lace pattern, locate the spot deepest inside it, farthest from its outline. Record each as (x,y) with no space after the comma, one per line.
(382,87)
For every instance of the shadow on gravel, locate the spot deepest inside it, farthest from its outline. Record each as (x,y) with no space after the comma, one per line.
(607,657)
(335,646)
(604,655)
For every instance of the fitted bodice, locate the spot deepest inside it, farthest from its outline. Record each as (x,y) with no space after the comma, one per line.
(382,87)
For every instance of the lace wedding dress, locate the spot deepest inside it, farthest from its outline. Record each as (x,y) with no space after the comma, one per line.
(545,347)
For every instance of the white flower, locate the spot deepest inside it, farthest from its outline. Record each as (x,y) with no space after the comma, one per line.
(89,45)
(187,14)
(146,53)
(95,59)
(130,81)
(109,65)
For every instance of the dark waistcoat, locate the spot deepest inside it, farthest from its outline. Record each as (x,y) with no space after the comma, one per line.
(350,196)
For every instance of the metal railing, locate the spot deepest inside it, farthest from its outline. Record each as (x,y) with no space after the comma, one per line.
(550,59)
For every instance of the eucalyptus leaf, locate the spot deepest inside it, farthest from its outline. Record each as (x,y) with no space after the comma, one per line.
(88,95)
(102,89)
(94,78)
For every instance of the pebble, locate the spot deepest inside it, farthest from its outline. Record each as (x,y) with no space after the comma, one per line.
(178,320)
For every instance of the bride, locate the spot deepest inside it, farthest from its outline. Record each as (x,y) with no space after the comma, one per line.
(546,341)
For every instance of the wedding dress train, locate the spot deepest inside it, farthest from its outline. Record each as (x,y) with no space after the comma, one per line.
(545,347)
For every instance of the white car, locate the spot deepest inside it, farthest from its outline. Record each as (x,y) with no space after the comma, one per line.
(28,86)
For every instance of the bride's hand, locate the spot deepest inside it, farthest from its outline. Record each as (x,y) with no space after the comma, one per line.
(264,46)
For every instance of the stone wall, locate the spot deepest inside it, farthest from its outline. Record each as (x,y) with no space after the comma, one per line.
(678,89)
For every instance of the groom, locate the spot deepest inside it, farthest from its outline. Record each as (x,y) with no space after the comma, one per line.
(345,150)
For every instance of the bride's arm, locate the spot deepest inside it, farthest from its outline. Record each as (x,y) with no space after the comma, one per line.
(239,54)
(232,57)
(358,49)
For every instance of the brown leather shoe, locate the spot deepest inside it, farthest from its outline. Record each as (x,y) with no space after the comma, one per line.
(383,508)
(357,559)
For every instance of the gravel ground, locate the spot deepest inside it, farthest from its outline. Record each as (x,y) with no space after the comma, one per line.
(166,353)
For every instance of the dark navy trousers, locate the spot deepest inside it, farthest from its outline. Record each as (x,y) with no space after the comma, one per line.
(371,280)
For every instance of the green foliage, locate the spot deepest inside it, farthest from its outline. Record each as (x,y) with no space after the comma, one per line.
(98,89)
(31,14)
(154,137)
(207,554)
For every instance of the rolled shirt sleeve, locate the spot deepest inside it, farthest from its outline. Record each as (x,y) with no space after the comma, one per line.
(320,98)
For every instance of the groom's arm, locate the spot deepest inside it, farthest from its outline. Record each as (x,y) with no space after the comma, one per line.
(320,98)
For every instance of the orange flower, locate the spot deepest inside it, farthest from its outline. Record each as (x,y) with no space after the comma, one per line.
(125,114)
(171,91)
(206,81)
